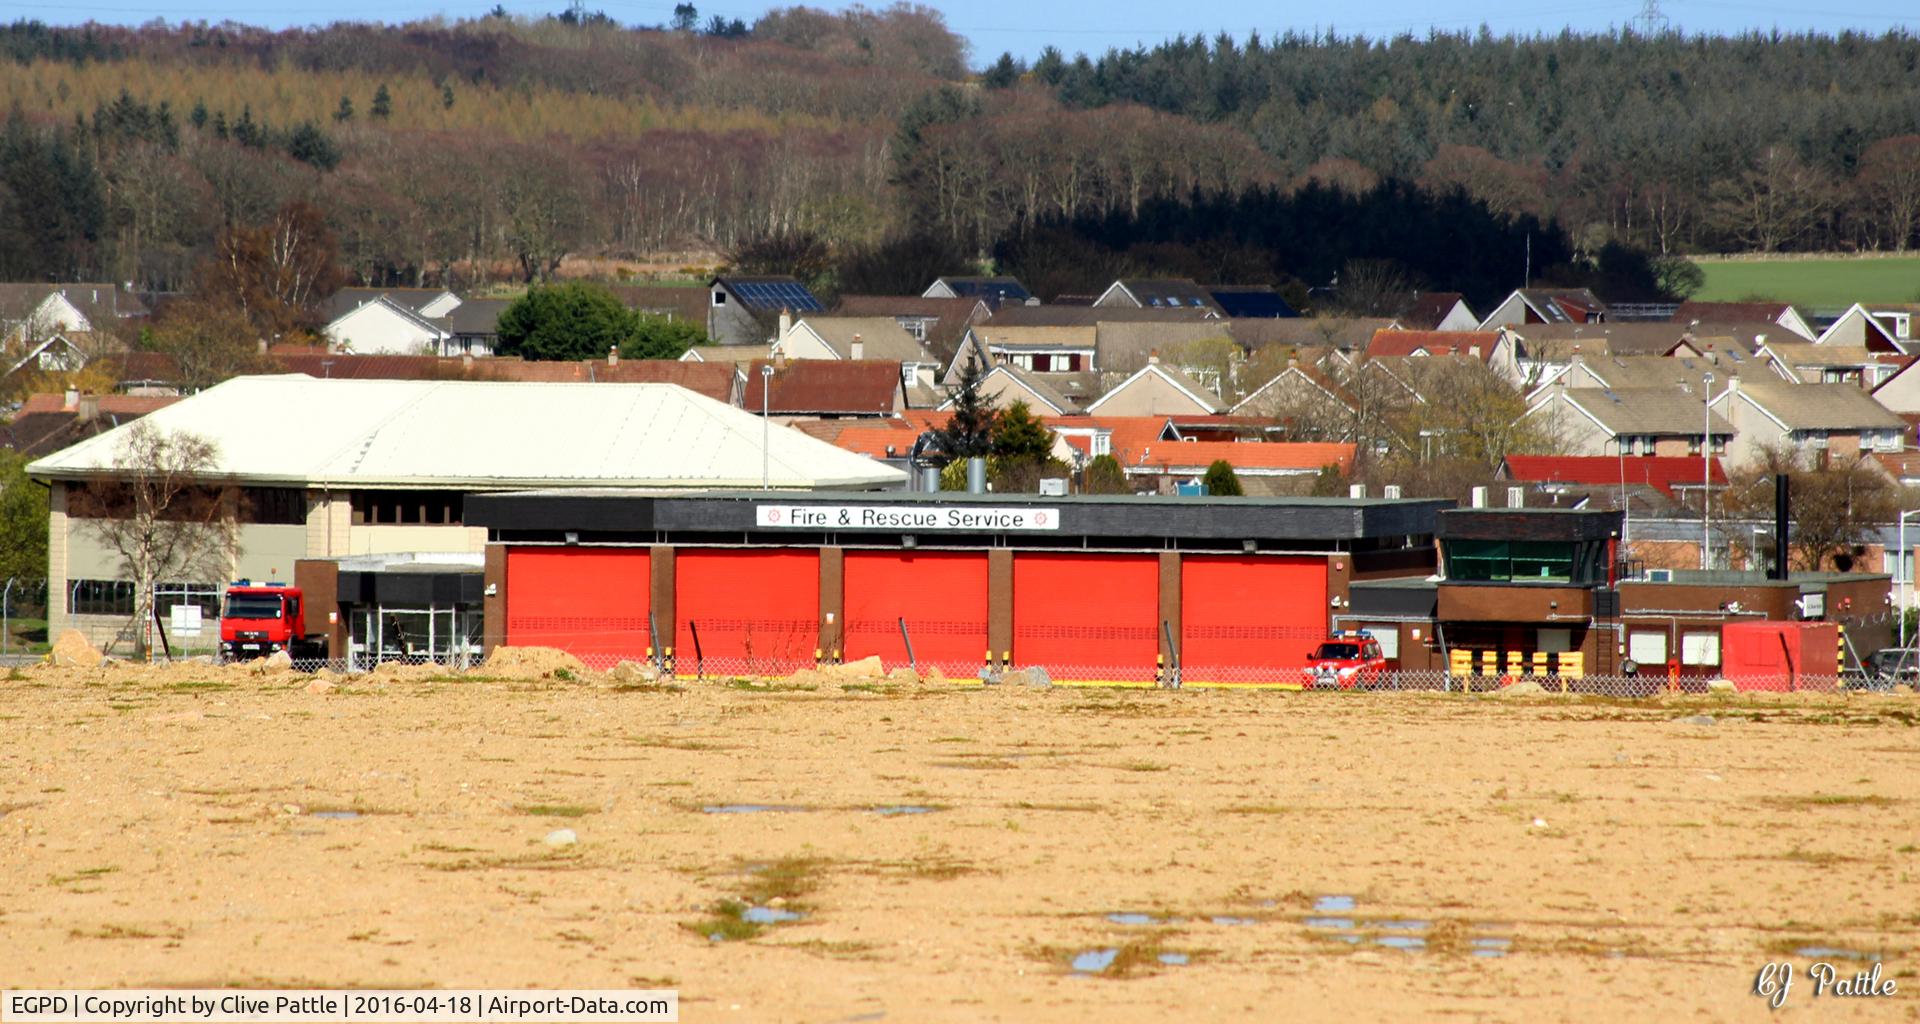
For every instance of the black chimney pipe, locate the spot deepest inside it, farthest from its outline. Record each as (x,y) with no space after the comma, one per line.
(1781,498)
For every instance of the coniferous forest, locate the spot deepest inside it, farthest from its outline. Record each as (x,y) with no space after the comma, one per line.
(868,147)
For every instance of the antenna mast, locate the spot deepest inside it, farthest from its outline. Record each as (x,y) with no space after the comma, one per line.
(1650,22)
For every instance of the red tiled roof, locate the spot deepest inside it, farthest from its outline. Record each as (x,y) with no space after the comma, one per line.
(1180,456)
(1433,343)
(873,441)
(1663,473)
(826,386)
(110,405)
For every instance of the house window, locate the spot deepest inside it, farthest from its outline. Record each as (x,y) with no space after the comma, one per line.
(1719,444)
(719,297)
(1701,648)
(1693,446)
(1509,561)
(916,327)
(1103,444)
(1042,363)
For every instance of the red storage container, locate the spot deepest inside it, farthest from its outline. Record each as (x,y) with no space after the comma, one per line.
(1780,655)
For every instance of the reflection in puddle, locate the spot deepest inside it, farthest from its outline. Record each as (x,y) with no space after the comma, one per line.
(769,915)
(1832,953)
(1231,921)
(1332,904)
(1174,959)
(1406,942)
(1329,922)
(1136,918)
(1093,961)
(1490,947)
(1403,926)
(897,809)
(333,814)
(750,809)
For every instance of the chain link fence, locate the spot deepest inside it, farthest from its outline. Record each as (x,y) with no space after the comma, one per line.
(644,669)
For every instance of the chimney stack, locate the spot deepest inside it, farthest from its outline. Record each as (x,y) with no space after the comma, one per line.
(858,350)
(1391,492)
(1516,497)
(1479,497)
(1153,358)
(1356,490)
(786,322)
(72,399)
(779,359)
(263,346)
(89,408)
(613,355)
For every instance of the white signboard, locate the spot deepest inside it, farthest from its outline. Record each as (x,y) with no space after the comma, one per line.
(906,519)
(184,620)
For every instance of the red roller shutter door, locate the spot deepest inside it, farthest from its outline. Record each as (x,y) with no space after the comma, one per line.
(757,610)
(941,594)
(1087,616)
(1250,612)
(587,601)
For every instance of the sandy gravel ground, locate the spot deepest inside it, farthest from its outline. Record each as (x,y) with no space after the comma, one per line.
(1554,860)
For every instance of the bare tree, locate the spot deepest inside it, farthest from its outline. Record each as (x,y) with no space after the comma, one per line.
(163,514)
(1834,507)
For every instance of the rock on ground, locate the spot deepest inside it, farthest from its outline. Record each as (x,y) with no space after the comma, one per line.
(72,649)
(868,667)
(633,672)
(1721,686)
(535,662)
(561,837)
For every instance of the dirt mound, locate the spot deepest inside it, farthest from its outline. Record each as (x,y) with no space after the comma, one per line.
(868,667)
(72,649)
(533,663)
(1524,688)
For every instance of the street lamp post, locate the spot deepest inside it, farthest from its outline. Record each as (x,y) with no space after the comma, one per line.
(766,382)
(1706,470)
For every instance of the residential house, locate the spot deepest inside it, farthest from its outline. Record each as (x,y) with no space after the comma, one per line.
(860,338)
(32,312)
(1857,327)
(1701,317)
(1495,349)
(1899,392)
(1046,394)
(48,423)
(1807,363)
(1264,469)
(1250,302)
(53,354)
(1546,306)
(995,291)
(1821,420)
(387,325)
(1159,293)
(1157,390)
(430,303)
(729,354)
(1635,372)
(822,388)
(1439,311)
(1303,393)
(1659,421)
(940,324)
(1044,349)
(474,327)
(746,310)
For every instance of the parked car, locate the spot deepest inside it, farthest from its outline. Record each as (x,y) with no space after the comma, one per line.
(1345,660)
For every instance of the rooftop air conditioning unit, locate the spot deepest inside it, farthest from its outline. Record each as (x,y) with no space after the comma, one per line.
(1055,487)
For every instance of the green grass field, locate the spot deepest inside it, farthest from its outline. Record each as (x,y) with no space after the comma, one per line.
(1817,282)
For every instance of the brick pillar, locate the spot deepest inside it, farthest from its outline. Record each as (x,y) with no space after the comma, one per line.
(999,601)
(833,601)
(1169,603)
(660,593)
(493,603)
(1339,585)
(59,527)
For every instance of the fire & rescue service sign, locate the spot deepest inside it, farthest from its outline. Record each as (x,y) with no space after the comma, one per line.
(966,518)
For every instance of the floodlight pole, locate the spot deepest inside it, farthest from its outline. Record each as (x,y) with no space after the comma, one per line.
(766,382)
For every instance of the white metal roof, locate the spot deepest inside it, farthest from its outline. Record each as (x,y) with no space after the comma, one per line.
(295,429)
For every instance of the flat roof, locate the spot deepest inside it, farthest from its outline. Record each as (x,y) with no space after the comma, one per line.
(767,515)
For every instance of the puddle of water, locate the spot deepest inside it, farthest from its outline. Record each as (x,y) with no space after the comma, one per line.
(1329,922)
(1406,942)
(769,915)
(1328,904)
(1232,921)
(898,809)
(1174,959)
(1404,926)
(750,809)
(334,814)
(1349,939)
(1491,947)
(1832,953)
(1093,961)
(1135,918)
